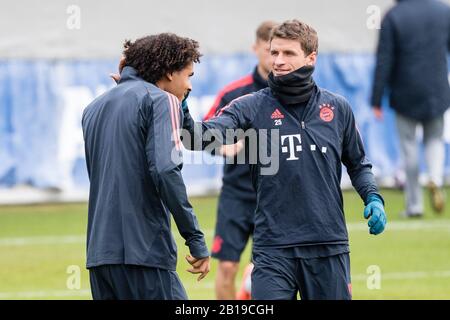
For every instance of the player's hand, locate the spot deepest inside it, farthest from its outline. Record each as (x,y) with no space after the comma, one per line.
(231,150)
(116,76)
(378,112)
(199,265)
(375,211)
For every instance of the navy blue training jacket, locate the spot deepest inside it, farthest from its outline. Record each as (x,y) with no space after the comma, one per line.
(300,204)
(133,158)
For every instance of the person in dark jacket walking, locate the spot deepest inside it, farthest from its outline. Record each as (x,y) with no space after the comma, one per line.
(237,200)
(412,54)
(304,134)
(134,159)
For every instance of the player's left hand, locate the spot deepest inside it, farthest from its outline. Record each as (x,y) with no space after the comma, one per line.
(116,76)
(375,211)
(231,150)
(199,265)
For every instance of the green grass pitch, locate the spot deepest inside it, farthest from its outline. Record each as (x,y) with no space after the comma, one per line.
(38,244)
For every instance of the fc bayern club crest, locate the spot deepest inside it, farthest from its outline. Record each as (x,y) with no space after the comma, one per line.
(326,112)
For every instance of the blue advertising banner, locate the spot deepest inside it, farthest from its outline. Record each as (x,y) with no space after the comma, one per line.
(41,103)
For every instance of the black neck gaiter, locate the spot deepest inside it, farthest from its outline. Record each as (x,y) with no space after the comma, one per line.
(295,87)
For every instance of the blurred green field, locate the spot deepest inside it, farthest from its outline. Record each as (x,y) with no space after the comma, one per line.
(39,243)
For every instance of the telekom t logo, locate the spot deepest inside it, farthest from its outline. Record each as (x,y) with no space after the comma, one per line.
(291,147)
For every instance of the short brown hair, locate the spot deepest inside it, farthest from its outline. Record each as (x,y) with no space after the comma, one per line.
(297,30)
(264,30)
(157,55)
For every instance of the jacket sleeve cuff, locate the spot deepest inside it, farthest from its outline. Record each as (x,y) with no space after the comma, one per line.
(199,250)
(374,197)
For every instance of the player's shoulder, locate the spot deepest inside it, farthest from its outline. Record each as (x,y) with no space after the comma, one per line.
(263,97)
(335,99)
(157,96)
(238,84)
(264,93)
(152,99)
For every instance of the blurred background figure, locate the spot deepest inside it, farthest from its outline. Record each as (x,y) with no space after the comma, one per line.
(237,200)
(411,62)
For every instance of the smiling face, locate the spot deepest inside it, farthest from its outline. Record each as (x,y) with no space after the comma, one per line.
(179,82)
(287,56)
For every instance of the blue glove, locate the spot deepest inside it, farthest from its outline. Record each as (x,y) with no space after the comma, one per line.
(375,211)
(184,105)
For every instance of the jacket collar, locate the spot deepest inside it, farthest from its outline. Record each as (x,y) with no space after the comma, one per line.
(129,73)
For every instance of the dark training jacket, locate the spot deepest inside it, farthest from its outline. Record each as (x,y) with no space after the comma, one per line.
(412,59)
(301,204)
(133,158)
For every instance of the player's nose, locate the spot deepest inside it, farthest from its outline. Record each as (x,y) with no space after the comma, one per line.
(279,60)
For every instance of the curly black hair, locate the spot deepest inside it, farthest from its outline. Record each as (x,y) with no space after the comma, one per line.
(158,55)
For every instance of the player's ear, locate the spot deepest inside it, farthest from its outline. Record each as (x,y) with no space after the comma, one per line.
(311,59)
(122,63)
(254,45)
(169,76)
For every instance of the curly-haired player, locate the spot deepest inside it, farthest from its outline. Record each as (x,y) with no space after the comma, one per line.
(134,158)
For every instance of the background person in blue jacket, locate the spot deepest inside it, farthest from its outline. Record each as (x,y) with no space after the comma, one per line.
(237,200)
(300,235)
(133,158)
(412,55)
